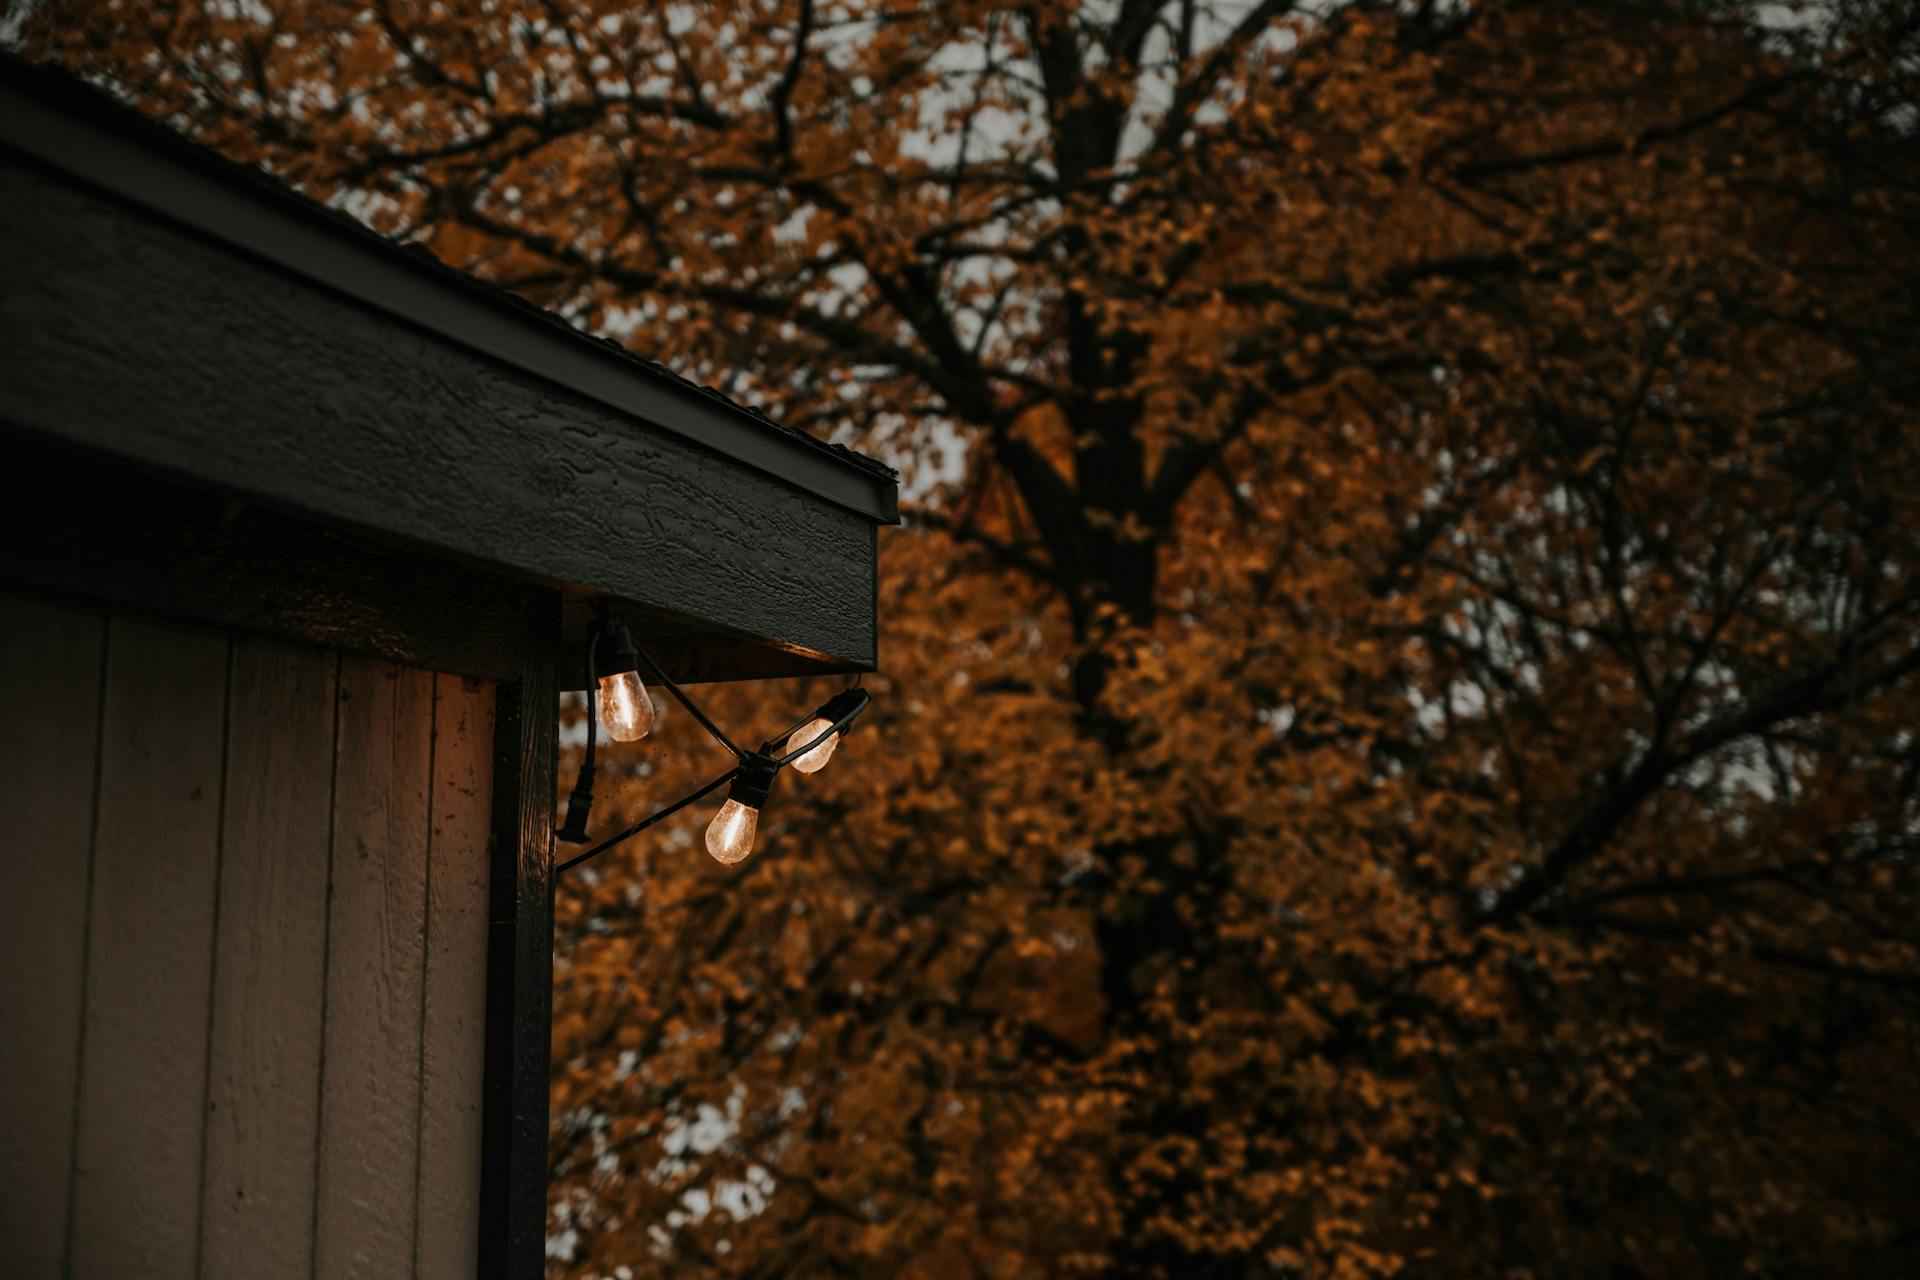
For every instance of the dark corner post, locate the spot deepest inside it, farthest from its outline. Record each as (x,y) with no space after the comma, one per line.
(513,1178)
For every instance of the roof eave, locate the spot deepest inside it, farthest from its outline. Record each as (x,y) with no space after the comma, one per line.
(50,117)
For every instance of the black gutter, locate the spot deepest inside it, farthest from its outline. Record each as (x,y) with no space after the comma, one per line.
(79,130)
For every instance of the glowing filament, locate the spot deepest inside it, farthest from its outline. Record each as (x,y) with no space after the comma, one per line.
(730,837)
(626,712)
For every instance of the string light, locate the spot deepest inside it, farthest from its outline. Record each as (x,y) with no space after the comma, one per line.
(625,709)
(814,760)
(614,660)
(730,835)
(811,745)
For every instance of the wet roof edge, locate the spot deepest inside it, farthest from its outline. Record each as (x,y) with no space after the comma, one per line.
(57,120)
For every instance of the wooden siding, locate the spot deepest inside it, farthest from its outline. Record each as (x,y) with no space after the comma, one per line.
(243,901)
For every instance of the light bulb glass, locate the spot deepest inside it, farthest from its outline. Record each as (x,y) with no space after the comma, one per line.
(816,759)
(730,837)
(626,712)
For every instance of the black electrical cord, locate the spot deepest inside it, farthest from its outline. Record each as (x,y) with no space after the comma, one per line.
(851,701)
(850,707)
(573,829)
(841,710)
(687,702)
(593,702)
(656,816)
(853,707)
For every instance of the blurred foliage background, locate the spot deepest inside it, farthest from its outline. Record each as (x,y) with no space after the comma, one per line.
(1396,749)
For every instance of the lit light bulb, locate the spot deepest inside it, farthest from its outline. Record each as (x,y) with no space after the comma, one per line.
(626,712)
(730,837)
(816,759)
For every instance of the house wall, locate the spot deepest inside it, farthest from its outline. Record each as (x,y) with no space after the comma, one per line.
(243,935)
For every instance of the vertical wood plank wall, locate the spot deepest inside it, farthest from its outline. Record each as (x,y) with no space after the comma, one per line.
(243,929)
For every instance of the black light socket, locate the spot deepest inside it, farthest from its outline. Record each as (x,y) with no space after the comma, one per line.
(843,703)
(616,653)
(755,780)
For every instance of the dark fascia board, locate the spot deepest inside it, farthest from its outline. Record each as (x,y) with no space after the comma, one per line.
(134,342)
(76,129)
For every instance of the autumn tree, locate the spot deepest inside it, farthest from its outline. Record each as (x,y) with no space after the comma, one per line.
(1396,748)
